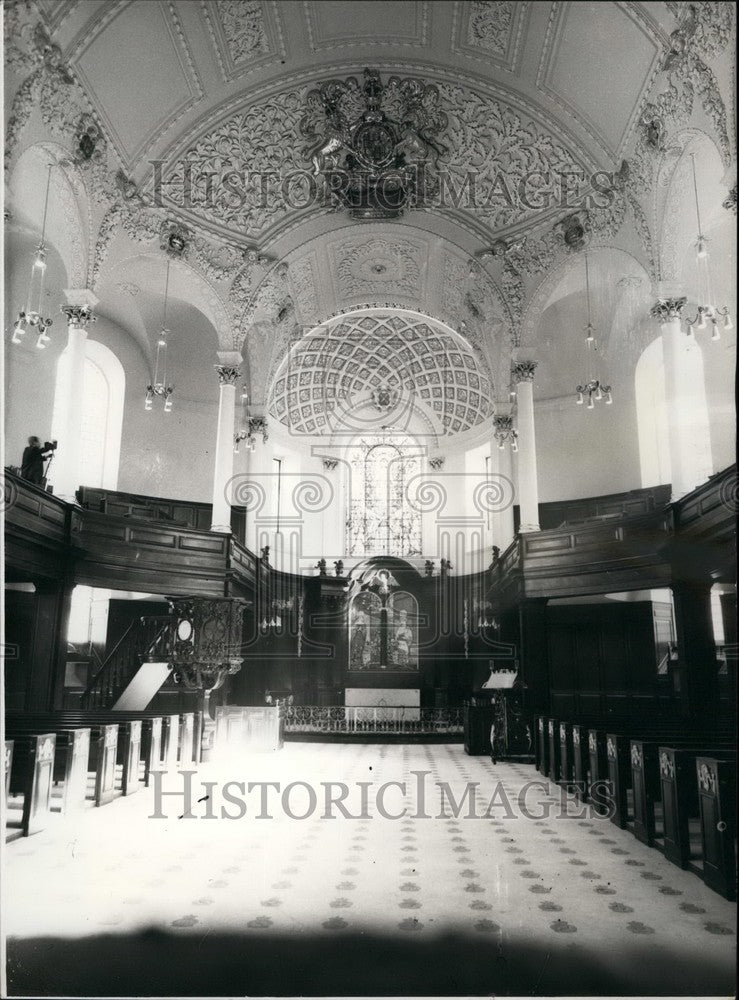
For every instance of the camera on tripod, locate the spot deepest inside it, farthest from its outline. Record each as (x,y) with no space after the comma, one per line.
(50,445)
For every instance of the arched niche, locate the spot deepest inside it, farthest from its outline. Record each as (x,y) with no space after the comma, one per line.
(65,228)
(653,418)
(687,198)
(102,414)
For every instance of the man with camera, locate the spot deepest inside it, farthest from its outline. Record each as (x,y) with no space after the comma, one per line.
(32,465)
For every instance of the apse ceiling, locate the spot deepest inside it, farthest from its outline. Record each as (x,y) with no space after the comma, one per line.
(206,111)
(384,363)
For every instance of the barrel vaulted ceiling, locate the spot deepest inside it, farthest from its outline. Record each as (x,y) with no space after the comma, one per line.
(190,88)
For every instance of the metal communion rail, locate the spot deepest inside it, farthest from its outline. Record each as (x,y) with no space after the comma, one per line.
(372,719)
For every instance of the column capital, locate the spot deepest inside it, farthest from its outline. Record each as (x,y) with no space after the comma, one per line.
(667,309)
(227,374)
(523,371)
(80,316)
(729,203)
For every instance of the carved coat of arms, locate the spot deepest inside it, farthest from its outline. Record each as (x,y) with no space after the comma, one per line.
(374,148)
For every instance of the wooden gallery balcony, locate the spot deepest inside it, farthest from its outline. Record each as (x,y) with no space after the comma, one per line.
(160,546)
(132,549)
(621,552)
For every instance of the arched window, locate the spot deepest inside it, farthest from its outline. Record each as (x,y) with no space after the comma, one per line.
(651,417)
(380,521)
(102,414)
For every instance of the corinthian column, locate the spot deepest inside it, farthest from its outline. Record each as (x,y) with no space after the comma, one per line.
(528,488)
(69,398)
(687,412)
(228,374)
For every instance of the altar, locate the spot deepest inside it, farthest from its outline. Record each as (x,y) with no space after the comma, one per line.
(368,704)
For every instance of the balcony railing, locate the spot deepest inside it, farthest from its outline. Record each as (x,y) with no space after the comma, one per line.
(373,719)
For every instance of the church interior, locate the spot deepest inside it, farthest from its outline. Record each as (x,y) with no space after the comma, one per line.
(370,490)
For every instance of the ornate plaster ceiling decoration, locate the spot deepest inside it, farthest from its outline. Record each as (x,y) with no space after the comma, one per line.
(226,85)
(379,158)
(394,267)
(496,166)
(489,30)
(378,266)
(365,357)
(247,34)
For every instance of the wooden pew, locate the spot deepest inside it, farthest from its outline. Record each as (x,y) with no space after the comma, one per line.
(103,752)
(645,785)
(31,776)
(553,746)
(542,746)
(598,759)
(680,797)
(70,759)
(8,765)
(717,800)
(103,757)
(619,768)
(187,740)
(566,771)
(153,738)
(158,740)
(197,746)
(580,762)
(618,748)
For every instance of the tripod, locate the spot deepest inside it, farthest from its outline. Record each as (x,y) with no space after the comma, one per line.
(49,460)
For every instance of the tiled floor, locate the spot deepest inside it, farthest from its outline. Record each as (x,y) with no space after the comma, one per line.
(122,904)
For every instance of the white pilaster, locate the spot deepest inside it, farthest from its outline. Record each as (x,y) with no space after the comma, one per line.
(228,374)
(687,411)
(69,399)
(502,469)
(528,487)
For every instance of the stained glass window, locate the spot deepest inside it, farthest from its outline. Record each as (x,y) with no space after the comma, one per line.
(380,519)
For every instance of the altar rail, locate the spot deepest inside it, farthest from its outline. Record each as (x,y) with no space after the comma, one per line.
(373,719)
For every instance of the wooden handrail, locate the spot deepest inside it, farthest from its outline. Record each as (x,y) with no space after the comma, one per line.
(132,657)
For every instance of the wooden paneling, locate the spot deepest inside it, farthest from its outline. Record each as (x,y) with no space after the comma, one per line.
(124,554)
(597,558)
(160,510)
(560,512)
(36,531)
(602,660)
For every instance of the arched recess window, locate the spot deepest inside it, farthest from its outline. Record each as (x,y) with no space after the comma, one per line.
(380,521)
(651,417)
(102,414)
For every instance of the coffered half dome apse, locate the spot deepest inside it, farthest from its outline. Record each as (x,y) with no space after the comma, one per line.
(374,369)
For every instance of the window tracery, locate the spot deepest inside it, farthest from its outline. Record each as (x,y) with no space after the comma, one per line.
(380,521)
